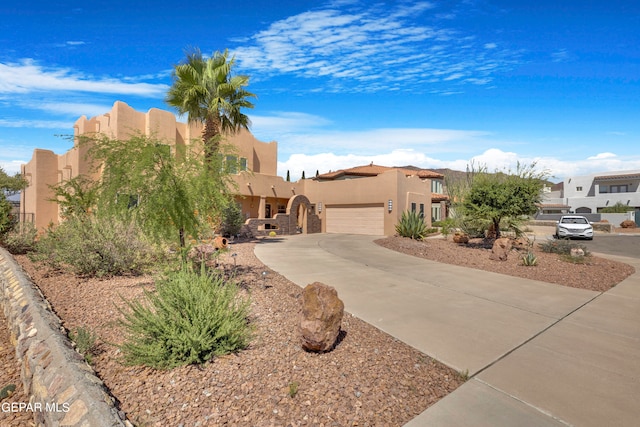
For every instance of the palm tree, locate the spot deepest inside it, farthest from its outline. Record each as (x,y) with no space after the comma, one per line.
(205,90)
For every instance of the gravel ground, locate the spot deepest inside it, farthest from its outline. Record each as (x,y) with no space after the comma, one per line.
(10,374)
(597,274)
(369,379)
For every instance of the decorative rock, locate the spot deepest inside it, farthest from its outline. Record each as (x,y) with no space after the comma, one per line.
(203,253)
(321,317)
(461,238)
(577,252)
(521,243)
(500,250)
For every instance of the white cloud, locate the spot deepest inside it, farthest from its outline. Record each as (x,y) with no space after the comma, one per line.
(601,156)
(285,121)
(11,167)
(40,124)
(27,76)
(339,45)
(75,109)
(378,140)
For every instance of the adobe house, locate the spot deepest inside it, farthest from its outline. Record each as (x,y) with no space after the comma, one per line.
(365,200)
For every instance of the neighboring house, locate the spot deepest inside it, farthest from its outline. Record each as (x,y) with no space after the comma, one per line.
(436,180)
(591,193)
(372,204)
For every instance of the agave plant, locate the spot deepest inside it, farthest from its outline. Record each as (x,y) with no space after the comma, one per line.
(529,259)
(412,225)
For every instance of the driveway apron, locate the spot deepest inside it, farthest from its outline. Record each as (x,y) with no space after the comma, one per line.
(536,353)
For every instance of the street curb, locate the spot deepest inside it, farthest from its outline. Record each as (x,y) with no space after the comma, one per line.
(63,388)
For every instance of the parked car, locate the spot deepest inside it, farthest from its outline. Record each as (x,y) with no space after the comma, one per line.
(574,226)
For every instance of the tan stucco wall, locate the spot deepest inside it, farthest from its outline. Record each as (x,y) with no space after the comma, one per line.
(40,172)
(46,168)
(392,185)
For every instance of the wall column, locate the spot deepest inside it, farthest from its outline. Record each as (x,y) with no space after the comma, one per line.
(262,207)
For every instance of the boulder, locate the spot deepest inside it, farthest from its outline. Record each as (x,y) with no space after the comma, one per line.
(460,238)
(321,317)
(203,253)
(521,243)
(577,252)
(500,249)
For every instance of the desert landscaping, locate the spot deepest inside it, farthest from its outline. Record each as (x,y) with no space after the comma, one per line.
(369,378)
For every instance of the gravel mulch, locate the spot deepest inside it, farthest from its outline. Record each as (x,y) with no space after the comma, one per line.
(10,374)
(595,273)
(369,379)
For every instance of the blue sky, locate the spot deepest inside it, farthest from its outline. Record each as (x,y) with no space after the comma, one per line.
(343,83)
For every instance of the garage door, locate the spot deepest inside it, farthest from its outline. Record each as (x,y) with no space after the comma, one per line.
(355,219)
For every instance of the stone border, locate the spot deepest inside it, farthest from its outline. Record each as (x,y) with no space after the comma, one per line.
(63,389)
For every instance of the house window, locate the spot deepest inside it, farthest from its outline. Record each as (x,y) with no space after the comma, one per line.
(413,207)
(578,188)
(422,210)
(620,188)
(436,186)
(243,163)
(435,213)
(282,209)
(231,164)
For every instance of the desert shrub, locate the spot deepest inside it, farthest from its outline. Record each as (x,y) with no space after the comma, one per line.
(561,247)
(619,207)
(21,239)
(411,225)
(474,227)
(93,248)
(85,341)
(191,318)
(627,223)
(232,220)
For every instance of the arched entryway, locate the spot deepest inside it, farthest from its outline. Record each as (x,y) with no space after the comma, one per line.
(298,209)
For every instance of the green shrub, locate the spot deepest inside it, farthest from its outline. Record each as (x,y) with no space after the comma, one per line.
(446,226)
(232,220)
(561,247)
(92,248)
(474,227)
(411,225)
(21,239)
(190,319)
(85,341)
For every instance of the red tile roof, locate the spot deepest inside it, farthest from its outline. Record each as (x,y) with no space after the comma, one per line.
(374,170)
(624,176)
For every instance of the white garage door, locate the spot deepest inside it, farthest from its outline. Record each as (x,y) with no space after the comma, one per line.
(355,219)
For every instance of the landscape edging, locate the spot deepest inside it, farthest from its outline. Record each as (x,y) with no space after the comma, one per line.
(63,389)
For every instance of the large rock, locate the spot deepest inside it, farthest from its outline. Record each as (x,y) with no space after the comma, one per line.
(203,253)
(500,250)
(321,317)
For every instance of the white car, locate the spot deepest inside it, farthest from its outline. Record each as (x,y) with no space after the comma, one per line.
(574,226)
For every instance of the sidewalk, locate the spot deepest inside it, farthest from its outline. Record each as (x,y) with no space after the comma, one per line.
(537,353)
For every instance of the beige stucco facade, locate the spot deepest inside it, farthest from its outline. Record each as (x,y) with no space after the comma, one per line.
(269,203)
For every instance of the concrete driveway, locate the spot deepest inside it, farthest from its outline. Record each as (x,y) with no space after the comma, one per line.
(538,353)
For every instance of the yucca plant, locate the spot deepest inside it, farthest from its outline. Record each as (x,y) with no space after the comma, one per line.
(529,259)
(412,225)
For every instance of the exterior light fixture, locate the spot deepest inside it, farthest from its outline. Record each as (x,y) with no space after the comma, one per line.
(319,207)
(390,205)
